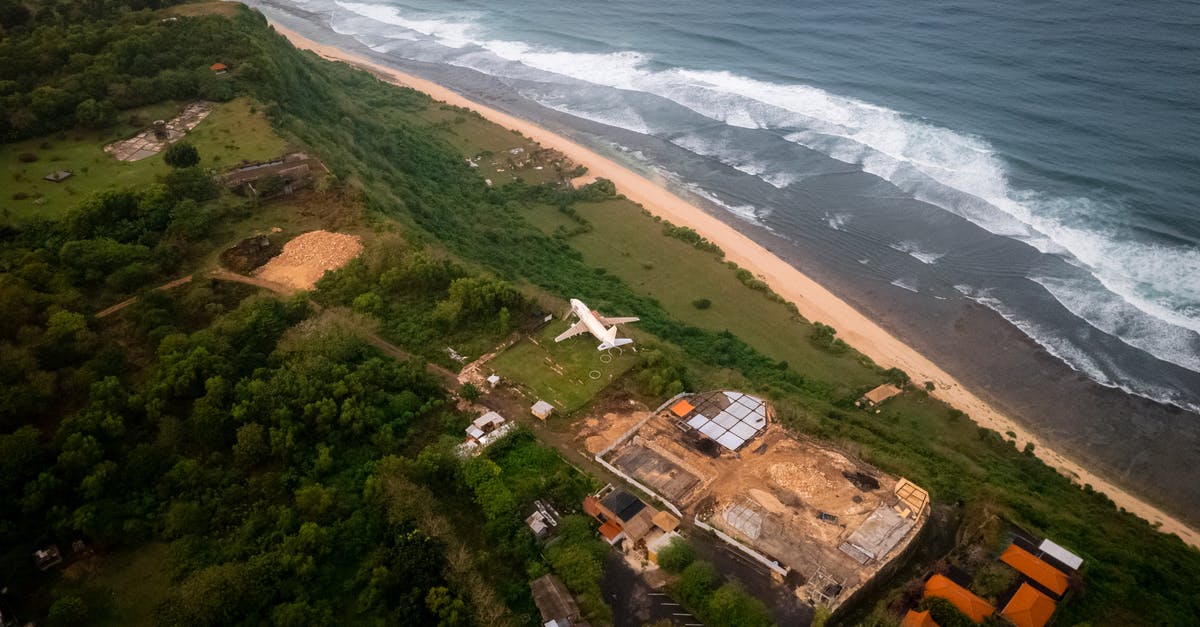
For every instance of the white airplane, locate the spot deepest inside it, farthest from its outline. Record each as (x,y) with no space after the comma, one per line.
(594,323)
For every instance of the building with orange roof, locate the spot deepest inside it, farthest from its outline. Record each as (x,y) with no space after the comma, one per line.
(1035,569)
(219,68)
(1029,607)
(918,619)
(966,601)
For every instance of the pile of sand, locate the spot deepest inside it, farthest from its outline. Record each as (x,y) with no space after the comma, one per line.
(308,257)
(806,480)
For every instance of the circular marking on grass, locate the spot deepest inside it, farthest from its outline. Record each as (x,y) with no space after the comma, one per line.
(605,358)
(593,375)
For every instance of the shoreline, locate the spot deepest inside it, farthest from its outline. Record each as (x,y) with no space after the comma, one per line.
(814,302)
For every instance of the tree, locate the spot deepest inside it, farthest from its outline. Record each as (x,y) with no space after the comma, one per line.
(677,556)
(181,155)
(469,392)
(67,611)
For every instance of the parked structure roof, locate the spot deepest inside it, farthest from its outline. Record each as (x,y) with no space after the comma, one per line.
(1068,559)
(918,619)
(968,602)
(1034,568)
(1029,607)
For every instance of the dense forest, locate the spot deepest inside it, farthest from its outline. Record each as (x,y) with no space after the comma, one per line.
(281,468)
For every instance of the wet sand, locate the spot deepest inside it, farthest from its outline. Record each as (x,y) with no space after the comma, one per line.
(813,300)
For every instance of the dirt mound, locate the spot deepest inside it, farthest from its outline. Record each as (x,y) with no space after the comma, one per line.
(308,257)
(249,253)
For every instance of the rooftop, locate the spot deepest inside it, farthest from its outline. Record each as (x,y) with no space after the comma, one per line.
(974,607)
(623,504)
(1029,565)
(1029,608)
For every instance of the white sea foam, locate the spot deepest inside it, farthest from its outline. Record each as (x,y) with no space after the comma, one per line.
(915,251)
(1111,314)
(747,213)
(905,284)
(1067,352)
(955,171)
(837,221)
(742,160)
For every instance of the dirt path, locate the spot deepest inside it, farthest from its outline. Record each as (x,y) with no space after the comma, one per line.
(104,313)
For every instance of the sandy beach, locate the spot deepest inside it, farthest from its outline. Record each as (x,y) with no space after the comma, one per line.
(814,301)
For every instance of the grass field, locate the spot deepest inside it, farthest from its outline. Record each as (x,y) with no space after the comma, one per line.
(566,375)
(233,132)
(122,588)
(474,136)
(629,244)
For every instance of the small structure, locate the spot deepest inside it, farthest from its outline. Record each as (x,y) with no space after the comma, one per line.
(974,607)
(47,558)
(557,606)
(219,68)
(58,176)
(538,524)
(1029,608)
(493,380)
(622,514)
(913,498)
(1044,575)
(482,432)
(1057,553)
(878,395)
(264,179)
(484,425)
(542,409)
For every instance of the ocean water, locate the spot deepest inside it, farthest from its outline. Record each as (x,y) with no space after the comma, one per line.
(1038,159)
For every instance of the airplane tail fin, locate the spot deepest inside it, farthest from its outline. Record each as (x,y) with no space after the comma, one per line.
(612,341)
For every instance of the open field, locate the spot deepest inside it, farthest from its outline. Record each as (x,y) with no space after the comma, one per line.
(566,375)
(122,588)
(628,243)
(233,132)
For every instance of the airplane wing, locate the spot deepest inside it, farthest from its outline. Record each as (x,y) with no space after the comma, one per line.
(608,322)
(576,329)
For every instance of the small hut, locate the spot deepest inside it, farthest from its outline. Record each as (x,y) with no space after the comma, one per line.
(58,176)
(542,409)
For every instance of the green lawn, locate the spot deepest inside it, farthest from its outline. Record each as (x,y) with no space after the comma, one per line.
(126,587)
(475,136)
(233,132)
(629,244)
(567,374)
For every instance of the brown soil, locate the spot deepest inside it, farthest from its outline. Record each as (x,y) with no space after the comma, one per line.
(307,258)
(249,253)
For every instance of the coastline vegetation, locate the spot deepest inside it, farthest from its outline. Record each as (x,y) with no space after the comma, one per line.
(263,464)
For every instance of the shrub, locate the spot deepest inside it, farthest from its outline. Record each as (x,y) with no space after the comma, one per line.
(27,157)
(181,155)
(702,303)
(677,556)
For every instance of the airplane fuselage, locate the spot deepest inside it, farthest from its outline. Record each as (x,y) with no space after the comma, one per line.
(595,324)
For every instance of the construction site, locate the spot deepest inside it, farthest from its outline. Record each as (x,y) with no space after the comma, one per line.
(820,521)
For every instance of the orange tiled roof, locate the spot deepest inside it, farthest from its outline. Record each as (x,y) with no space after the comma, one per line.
(682,408)
(1027,564)
(591,506)
(918,619)
(1029,607)
(970,604)
(610,530)
(218,66)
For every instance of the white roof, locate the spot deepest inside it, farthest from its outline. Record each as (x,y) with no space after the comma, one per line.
(494,379)
(474,432)
(1057,552)
(489,418)
(542,407)
(733,426)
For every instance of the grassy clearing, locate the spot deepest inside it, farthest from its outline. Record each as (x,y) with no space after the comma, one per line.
(123,588)
(626,242)
(233,132)
(474,136)
(562,373)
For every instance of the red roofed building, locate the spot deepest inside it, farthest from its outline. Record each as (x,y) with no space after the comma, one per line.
(918,619)
(219,68)
(1029,607)
(966,601)
(1035,569)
